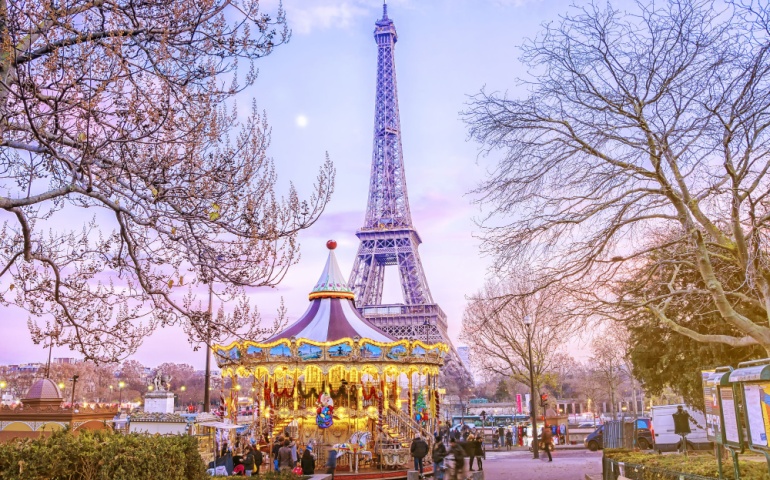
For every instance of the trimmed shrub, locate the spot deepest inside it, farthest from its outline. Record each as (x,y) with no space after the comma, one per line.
(753,467)
(102,455)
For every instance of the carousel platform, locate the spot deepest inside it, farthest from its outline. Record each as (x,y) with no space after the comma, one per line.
(376,474)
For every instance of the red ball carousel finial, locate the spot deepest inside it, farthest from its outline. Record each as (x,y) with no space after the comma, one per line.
(331,244)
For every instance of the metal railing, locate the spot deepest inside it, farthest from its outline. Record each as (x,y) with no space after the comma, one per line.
(405,427)
(613,469)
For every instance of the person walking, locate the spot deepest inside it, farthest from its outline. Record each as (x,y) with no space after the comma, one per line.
(308,462)
(437,455)
(547,437)
(443,431)
(418,450)
(274,452)
(509,439)
(294,458)
(478,451)
(248,461)
(469,445)
(259,458)
(285,463)
(331,462)
(458,453)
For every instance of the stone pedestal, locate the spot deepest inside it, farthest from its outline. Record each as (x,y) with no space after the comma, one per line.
(159,402)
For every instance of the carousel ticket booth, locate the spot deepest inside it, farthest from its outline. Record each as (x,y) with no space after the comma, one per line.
(334,380)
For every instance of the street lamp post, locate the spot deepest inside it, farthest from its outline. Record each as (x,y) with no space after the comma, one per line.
(207,380)
(74,382)
(533,403)
(121,384)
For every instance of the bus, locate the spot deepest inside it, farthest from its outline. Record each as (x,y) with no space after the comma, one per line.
(490,421)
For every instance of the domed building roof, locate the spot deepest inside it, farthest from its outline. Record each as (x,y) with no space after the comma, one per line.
(43,389)
(331,314)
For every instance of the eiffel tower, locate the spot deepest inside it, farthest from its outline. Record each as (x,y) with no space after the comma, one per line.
(388,237)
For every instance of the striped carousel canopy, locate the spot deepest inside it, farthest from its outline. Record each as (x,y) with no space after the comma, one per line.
(331,314)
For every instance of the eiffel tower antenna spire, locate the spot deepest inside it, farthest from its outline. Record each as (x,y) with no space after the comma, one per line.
(388,237)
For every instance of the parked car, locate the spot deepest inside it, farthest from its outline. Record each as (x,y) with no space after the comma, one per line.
(644,436)
(586,425)
(668,441)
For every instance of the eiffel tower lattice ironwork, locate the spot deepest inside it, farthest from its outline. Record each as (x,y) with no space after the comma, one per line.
(388,237)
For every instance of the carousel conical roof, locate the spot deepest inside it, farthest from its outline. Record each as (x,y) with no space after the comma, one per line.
(331,314)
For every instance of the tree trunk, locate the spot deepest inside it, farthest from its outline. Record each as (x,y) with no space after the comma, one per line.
(612,402)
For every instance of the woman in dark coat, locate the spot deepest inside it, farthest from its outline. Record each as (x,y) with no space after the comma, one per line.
(470,450)
(307,462)
(478,451)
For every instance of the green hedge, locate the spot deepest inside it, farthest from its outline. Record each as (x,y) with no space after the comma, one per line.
(102,455)
(753,467)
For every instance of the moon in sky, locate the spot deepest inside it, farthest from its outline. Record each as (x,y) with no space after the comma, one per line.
(301,121)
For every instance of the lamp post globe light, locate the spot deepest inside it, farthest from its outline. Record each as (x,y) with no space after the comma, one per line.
(533,403)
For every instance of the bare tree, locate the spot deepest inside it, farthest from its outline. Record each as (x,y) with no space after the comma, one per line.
(121,107)
(560,375)
(494,329)
(608,366)
(590,387)
(639,122)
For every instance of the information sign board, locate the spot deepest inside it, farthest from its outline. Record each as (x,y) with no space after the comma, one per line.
(728,414)
(711,401)
(757,397)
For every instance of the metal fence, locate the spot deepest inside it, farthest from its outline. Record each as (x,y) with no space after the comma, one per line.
(613,469)
(619,434)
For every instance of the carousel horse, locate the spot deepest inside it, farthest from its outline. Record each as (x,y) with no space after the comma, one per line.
(356,446)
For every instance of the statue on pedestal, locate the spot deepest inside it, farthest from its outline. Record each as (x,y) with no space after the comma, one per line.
(161,382)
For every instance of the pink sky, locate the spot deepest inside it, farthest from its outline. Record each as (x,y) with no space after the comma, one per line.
(318,92)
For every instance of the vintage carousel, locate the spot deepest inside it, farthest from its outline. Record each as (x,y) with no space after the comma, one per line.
(334,380)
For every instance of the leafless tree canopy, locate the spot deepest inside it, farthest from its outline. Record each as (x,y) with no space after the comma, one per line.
(494,329)
(608,366)
(639,124)
(126,176)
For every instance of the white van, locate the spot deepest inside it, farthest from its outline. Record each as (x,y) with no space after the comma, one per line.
(663,427)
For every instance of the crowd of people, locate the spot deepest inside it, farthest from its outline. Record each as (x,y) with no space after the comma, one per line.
(282,456)
(450,449)
(449,462)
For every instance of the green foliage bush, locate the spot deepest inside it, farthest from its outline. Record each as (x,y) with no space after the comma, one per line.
(102,456)
(753,467)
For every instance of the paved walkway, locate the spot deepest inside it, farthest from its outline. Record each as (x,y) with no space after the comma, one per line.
(519,465)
